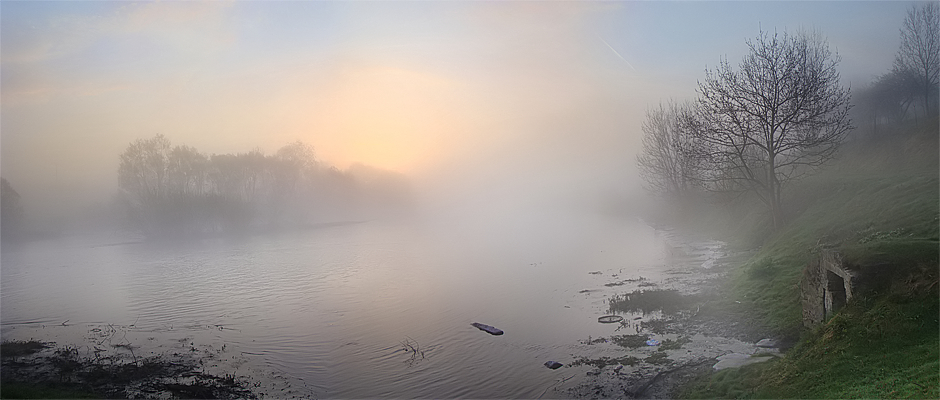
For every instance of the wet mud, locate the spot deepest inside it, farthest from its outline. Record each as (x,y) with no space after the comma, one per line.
(675,328)
(39,368)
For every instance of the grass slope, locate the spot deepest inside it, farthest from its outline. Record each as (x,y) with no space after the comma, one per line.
(871,219)
(882,349)
(879,205)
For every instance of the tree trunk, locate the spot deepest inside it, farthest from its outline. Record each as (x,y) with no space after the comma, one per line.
(927,109)
(773,193)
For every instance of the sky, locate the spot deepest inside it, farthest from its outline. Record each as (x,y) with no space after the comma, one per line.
(541,97)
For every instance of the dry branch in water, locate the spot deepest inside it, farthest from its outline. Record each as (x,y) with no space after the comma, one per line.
(410,345)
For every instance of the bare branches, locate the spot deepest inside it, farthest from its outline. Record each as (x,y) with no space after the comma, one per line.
(670,161)
(920,49)
(780,113)
(410,345)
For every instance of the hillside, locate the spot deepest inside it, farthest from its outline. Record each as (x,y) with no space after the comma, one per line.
(877,204)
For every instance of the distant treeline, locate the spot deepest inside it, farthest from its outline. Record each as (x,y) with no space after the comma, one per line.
(167,190)
(11,213)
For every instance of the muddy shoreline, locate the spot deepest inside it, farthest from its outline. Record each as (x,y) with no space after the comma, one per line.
(109,364)
(45,369)
(692,322)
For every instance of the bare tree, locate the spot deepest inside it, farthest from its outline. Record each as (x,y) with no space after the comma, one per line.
(782,113)
(886,102)
(186,169)
(142,173)
(920,49)
(292,163)
(669,163)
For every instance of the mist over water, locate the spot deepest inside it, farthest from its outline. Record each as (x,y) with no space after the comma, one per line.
(330,307)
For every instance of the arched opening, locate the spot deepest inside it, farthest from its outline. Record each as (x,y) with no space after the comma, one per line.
(835,293)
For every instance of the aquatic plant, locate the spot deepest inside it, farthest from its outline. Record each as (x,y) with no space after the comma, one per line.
(630,341)
(647,301)
(604,361)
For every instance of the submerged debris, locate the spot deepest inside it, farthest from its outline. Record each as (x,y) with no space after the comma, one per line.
(412,347)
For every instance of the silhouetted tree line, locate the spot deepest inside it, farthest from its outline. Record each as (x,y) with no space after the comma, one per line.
(781,114)
(172,190)
(11,213)
(910,90)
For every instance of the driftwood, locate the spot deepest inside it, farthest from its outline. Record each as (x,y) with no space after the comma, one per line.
(488,329)
(411,346)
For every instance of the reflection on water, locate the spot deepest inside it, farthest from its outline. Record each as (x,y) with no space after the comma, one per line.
(334,310)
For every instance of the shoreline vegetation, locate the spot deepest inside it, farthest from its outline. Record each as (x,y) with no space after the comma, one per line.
(877,205)
(34,369)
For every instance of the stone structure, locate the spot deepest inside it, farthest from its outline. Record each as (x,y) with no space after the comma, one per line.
(828,283)
(825,287)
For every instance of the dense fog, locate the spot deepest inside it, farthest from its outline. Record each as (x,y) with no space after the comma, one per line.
(463,199)
(483,106)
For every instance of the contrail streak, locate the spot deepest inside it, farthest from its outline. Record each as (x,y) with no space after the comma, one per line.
(615,52)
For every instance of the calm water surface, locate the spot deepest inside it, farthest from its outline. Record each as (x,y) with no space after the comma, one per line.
(327,310)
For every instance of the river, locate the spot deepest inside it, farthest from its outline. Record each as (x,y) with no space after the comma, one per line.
(339,311)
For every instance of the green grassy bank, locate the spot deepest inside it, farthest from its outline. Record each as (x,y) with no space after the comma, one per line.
(879,205)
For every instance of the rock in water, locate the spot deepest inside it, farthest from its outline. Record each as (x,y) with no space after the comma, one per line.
(553,364)
(488,329)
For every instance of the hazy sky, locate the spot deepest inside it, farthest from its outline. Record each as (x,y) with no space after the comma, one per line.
(525,95)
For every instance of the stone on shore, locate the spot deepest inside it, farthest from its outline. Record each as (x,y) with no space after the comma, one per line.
(767,343)
(736,360)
